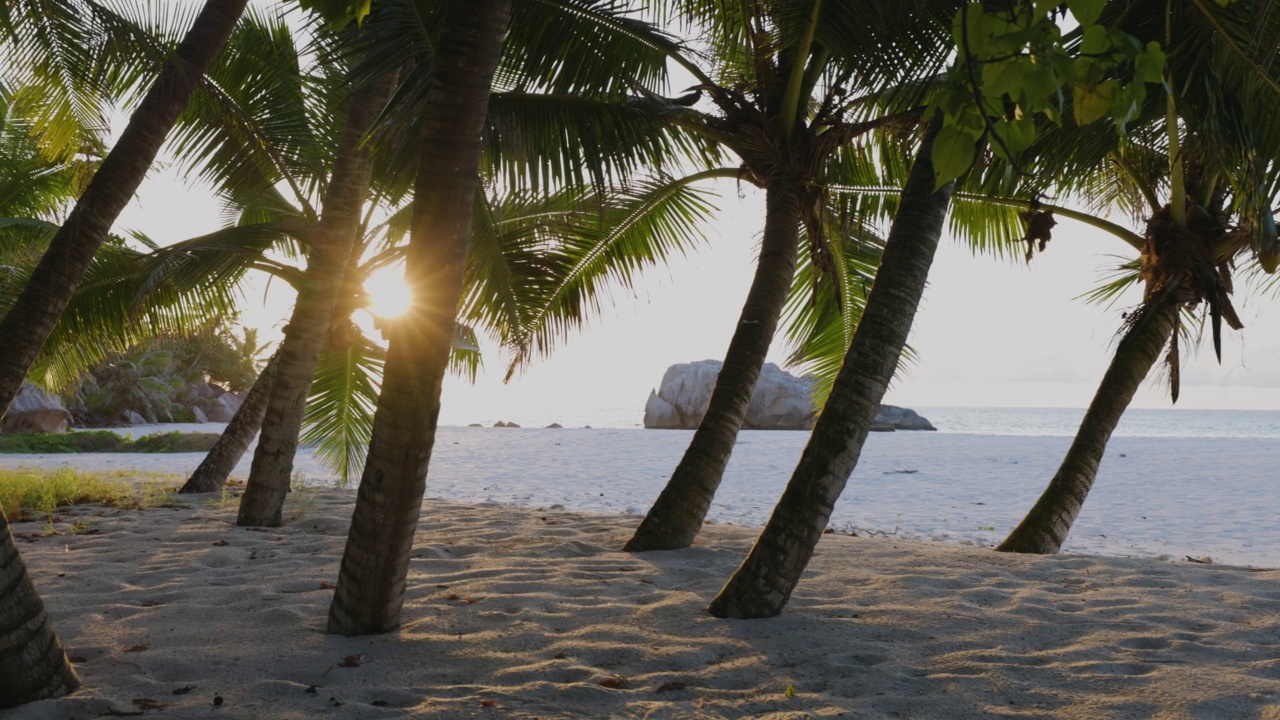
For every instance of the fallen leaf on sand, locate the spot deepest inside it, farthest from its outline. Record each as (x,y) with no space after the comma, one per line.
(326,585)
(221,543)
(488,703)
(670,686)
(351,661)
(611,682)
(137,648)
(454,596)
(149,704)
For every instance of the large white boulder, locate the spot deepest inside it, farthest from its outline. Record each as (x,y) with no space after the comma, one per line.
(34,410)
(781,401)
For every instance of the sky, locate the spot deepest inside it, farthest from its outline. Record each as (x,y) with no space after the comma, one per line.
(990,332)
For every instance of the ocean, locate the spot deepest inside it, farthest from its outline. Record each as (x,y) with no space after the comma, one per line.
(1137,422)
(1044,422)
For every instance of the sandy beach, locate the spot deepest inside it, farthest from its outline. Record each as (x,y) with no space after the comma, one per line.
(520,605)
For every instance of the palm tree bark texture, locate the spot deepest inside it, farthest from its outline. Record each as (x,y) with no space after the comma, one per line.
(27,325)
(763,583)
(331,245)
(217,465)
(33,664)
(1046,526)
(375,564)
(677,516)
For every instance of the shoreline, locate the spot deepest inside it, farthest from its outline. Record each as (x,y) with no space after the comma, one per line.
(523,613)
(1154,497)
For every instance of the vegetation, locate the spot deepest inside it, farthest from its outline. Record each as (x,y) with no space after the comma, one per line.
(105,441)
(29,494)
(532,162)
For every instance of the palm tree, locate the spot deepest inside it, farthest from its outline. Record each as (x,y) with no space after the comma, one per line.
(371,581)
(1218,153)
(793,90)
(763,583)
(331,249)
(33,665)
(37,660)
(29,322)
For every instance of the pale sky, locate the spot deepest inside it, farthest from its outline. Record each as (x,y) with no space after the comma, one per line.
(989,333)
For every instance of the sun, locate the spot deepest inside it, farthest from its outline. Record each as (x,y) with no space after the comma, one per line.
(388,294)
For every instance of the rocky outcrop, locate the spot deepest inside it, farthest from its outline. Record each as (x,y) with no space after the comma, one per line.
(224,407)
(34,410)
(781,401)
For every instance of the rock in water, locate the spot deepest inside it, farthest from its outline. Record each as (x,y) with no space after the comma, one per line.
(781,401)
(34,410)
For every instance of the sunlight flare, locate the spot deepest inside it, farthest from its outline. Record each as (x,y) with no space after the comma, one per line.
(389,296)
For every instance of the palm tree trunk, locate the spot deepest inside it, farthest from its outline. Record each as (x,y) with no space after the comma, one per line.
(763,583)
(33,665)
(371,581)
(1046,527)
(331,245)
(226,453)
(27,325)
(680,510)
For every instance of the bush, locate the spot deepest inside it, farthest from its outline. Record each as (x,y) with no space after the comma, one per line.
(104,441)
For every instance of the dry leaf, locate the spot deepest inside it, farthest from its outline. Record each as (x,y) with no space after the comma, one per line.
(454,596)
(488,703)
(221,543)
(351,661)
(149,704)
(326,585)
(470,600)
(137,648)
(611,682)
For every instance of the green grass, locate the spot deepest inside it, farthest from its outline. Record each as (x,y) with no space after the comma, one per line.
(104,441)
(30,493)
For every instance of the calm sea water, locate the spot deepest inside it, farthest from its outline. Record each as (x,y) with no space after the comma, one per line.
(1052,422)
(1135,423)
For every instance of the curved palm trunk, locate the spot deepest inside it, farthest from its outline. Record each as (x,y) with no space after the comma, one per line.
(234,441)
(27,325)
(1046,527)
(331,245)
(371,582)
(33,665)
(762,584)
(680,510)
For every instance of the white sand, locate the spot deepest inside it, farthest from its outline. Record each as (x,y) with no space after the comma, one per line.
(1204,497)
(524,613)
(532,612)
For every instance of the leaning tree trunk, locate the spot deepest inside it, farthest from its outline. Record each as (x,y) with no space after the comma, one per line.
(375,564)
(331,245)
(763,583)
(27,325)
(680,510)
(33,665)
(235,440)
(1046,527)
